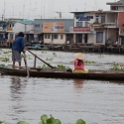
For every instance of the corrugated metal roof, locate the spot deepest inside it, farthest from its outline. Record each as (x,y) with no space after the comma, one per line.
(25,21)
(100,11)
(120,2)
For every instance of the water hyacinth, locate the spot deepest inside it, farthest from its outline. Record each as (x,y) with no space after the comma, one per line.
(44,119)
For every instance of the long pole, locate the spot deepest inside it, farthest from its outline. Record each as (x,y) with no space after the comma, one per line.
(40,59)
(27,69)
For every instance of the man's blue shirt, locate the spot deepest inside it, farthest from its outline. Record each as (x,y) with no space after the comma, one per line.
(18,44)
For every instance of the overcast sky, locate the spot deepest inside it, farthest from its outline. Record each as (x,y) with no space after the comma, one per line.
(31,9)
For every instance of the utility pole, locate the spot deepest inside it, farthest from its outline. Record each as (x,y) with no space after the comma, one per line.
(4,10)
(60,14)
(2,17)
(24,10)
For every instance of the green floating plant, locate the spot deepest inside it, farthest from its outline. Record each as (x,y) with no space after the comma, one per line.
(90,62)
(22,122)
(80,121)
(54,54)
(45,120)
(5,59)
(4,122)
(49,59)
(117,67)
(62,67)
(7,52)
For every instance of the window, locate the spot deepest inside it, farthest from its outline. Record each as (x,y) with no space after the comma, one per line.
(86,24)
(102,19)
(47,36)
(114,8)
(79,24)
(79,15)
(61,37)
(99,37)
(55,36)
(37,25)
(97,18)
(90,17)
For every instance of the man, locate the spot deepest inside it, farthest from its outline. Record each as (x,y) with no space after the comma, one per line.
(17,48)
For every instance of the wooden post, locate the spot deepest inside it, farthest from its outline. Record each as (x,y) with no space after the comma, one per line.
(34,61)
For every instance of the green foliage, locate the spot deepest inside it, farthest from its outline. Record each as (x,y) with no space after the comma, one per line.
(22,55)
(49,59)
(54,54)
(4,122)
(90,62)
(117,67)
(61,67)
(45,66)
(80,121)
(45,120)
(51,120)
(7,52)
(22,122)
(5,59)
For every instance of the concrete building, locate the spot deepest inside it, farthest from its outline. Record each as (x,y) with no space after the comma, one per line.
(98,27)
(53,31)
(6,30)
(119,5)
(26,26)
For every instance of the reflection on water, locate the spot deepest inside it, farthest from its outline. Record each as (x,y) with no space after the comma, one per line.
(78,84)
(17,89)
(96,102)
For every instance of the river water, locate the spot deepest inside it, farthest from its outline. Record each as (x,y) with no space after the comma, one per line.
(96,102)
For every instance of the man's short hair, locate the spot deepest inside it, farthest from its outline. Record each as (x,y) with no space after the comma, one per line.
(21,34)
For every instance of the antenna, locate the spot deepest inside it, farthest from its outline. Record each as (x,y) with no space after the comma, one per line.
(13,11)
(85,6)
(24,10)
(30,9)
(35,9)
(60,14)
(41,9)
(4,9)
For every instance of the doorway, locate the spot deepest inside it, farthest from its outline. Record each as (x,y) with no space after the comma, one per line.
(85,38)
(78,38)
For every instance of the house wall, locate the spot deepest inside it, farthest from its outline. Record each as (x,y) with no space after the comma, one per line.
(22,27)
(67,23)
(121,8)
(91,38)
(55,41)
(112,34)
(111,17)
(121,19)
(85,15)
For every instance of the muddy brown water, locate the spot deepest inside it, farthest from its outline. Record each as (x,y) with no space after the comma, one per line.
(97,102)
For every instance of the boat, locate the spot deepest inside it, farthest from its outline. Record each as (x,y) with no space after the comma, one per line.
(53,72)
(59,73)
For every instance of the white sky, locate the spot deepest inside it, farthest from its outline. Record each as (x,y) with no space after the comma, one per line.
(48,8)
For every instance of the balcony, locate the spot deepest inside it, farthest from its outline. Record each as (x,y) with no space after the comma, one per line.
(110,25)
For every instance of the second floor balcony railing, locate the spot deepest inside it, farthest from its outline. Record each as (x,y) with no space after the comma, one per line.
(110,25)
